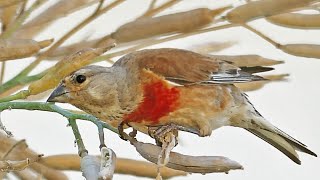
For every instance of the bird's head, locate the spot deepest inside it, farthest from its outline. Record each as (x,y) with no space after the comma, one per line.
(91,85)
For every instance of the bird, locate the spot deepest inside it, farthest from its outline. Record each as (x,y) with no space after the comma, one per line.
(172,88)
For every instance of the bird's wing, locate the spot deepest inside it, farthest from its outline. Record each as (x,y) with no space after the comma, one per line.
(186,67)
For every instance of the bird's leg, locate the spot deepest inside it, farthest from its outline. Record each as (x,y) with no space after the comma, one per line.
(122,134)
(101,137)
(121,130)
(158,132)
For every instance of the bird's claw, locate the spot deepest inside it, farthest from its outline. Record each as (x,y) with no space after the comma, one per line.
(122,134)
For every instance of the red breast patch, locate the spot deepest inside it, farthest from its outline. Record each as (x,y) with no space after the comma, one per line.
(159,100)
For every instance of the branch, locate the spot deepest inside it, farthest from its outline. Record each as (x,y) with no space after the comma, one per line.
(67,162)
(50,107)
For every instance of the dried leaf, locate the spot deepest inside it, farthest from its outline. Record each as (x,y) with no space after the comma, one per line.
(263,8)
(21,48)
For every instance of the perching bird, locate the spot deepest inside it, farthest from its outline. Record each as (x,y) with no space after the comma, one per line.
(172,87)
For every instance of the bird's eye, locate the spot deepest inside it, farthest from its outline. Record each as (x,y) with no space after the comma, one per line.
(80,79)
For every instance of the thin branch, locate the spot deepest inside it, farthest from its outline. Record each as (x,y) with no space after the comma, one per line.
(35,63)
(49,107)
(3,68)
(18,22)
(82,151)
(275,44)
(157,10)
(153,41)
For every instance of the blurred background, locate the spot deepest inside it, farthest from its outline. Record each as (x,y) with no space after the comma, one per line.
(292,105)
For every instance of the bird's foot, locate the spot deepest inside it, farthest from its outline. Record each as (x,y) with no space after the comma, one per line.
(158,132)
(122,134)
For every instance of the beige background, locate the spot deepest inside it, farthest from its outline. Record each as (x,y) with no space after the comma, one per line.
(293,105)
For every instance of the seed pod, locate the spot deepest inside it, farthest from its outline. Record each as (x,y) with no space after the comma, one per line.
(304,50)
(248,60)
(61,9)
(9,13)
(263,8)
(6,3)
(63,68)
(295,20)
(178,22)
(67,162)
(192,164)
(21,48)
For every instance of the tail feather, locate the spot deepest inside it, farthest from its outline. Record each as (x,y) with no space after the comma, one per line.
(299,146)
(278,142)
(273,135)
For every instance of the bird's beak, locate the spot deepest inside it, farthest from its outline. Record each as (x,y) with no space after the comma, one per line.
(59,94)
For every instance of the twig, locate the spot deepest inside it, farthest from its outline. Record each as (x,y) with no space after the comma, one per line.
(3,68)
(18,22)
(35,63)
(2,127)
(157,10)
(53,108)
(154,41)
(275,44)
(81,148)
(21,81)
(7,165)
(123,166)
(13,147)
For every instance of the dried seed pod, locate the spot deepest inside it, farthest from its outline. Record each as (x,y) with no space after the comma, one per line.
(64,67)
(252,86)
(6,3)
(21,48)
(7,165)
(304,50)
(123,166)
(58,10)
(192,164)
(249,60)
(178,22)
(263,8)
(211,47)
(72,48)
(296,20)
(9,13)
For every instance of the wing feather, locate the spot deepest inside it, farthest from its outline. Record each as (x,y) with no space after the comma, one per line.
(185,67)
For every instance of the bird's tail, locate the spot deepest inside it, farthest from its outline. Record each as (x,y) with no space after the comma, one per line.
(283,142)
(274,136)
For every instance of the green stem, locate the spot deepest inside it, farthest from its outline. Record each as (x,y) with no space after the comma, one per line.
(20,95)
(81,148)
(50,107)
(21,80)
